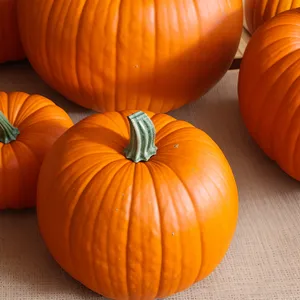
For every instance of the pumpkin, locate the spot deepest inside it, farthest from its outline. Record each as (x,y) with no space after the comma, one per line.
(257,12)
(136,205)
(112,55)
(11,48)
(269,89)
(29,125)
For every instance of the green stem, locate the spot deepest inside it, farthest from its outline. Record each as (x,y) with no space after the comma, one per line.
(142,138)
(8,133)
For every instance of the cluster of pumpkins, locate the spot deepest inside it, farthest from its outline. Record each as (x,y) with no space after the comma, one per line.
(131,202)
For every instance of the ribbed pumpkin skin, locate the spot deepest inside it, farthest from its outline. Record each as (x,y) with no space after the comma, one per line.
(40,123)
(11,48)
(143,230)
(257,12)
(269,90)
(131,54)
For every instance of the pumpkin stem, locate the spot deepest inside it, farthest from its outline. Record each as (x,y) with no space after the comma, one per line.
(142,138)
(8,133)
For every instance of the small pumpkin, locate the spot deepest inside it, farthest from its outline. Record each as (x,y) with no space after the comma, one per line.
(29,125)
(144,205)
(11,48)
(269,89)
(115,55)
(257,12)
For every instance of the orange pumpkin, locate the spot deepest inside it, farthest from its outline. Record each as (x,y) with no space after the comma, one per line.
(259,11)
(143,208)
(269,89)
(113,55)
(11,48)
(29,125)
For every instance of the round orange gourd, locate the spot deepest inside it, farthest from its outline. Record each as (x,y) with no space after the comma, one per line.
(29,125)
(112,55)
(269,90)
(10,44)
(257,12)
(136,209)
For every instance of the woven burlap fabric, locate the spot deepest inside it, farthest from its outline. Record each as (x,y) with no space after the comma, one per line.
(263,262)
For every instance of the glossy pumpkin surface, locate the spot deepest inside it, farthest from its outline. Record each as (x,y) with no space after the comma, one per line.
(257,12)
(269,89)
(11,48)
(131,54)
(29,125)
(136,220)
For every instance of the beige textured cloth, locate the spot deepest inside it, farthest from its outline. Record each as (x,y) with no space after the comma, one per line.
(263,262)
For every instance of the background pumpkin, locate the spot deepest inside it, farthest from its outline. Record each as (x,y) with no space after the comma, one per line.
(28,127)
(142,229)
(269,89)
(259,11)
(131,54)
(11,48)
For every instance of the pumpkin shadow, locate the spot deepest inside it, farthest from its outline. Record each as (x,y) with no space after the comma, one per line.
(26,265)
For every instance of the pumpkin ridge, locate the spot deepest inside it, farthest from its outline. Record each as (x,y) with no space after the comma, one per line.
(90,179)
(118,127)
(128,230)
(279,50)
(265,75)
(253,15)
(118,34)
(117,170)
(171,288)
(277,8)
(98,81)
(155,188)
(192,200)
(294,148)
(29,150)
(29,108)
(154,79)
(4,98)
(282,104)
(38,114)
(249,104)
(20,109)
(47,63)
(77,72)
(4,167)
(162,138)
(18,200)
(78,160)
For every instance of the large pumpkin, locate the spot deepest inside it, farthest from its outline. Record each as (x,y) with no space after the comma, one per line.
(29,125)
(131,54)
(259,11)
(269,90)
(10,44)
(136,210)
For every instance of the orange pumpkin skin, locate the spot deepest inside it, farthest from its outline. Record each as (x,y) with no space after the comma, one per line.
(257,12)
(269,89)
(39,122)
(141,230)
(112,55)
(11,48)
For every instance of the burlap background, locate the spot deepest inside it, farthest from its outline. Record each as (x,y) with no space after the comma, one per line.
(263,262)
